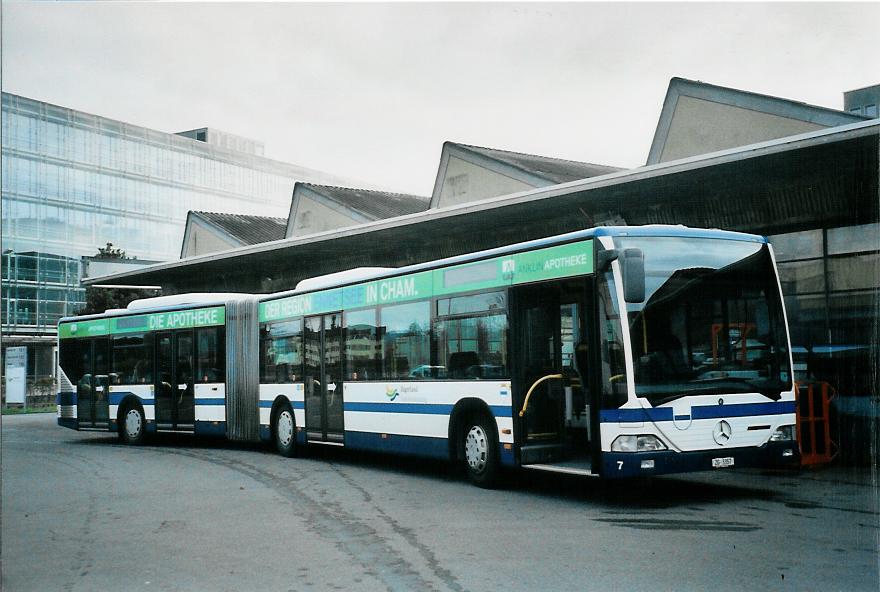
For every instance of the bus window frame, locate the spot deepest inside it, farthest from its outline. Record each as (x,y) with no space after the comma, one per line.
(346,368)
(260,352)
(467,315)
(147,348)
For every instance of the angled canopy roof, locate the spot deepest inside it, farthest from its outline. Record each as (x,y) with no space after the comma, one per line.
(820,179)
(362,205)
(248,230)
(372,204)
(501,171)
(554,170)
(698,118)
(237,229)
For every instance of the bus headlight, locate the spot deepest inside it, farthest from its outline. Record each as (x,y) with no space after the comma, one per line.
(783,434)
(641,443)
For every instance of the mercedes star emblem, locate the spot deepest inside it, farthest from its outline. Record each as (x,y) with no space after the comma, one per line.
(722,432)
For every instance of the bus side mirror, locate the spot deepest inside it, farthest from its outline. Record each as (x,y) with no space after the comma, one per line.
(605,257)
(632,267)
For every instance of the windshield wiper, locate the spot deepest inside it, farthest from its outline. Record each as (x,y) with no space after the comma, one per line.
(774,393)
(722,386)
(706,390)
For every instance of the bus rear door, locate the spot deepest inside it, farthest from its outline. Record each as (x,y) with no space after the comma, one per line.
(92,389)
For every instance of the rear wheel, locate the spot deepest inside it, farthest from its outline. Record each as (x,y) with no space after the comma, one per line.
(284,428)
(132,424)
(481,452)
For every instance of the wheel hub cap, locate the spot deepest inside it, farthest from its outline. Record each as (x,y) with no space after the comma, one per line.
(476,449)
(133,423)
(285,428)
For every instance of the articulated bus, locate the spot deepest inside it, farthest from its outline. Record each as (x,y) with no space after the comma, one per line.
(614,352)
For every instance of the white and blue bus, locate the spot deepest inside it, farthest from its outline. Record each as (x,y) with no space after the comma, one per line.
(614,352)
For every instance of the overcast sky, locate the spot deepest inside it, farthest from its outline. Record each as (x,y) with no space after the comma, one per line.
(371,91)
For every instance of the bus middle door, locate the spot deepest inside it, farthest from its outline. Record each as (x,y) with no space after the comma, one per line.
(174,388)
(323,378)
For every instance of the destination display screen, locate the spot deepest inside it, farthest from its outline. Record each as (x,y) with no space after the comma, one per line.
(141,322)
(480,272)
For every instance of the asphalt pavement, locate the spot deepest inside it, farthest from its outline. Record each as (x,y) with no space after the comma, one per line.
(82,512)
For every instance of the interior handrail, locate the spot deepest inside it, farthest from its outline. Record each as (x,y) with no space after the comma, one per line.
(532,388)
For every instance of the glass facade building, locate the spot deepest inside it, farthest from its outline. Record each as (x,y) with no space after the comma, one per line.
(831,281)
(73,181)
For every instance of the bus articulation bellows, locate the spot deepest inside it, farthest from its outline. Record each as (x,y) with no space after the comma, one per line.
(615,352)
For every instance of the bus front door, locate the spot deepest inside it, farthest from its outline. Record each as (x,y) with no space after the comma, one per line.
(548,327)
(538,352)
(92,389)
(323,378)
(175,392)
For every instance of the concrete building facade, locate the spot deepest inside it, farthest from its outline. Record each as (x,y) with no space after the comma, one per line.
(863,101)
(699,118)
(472,173)
(211,232)
(319,208)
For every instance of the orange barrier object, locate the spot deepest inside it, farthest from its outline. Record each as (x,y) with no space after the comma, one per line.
(744,329)
(814,424)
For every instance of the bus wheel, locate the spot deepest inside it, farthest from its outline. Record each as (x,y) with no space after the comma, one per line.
(284,430)
(132,424)
(481,452)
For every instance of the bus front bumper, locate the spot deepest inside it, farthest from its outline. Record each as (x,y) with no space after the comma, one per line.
(640,464)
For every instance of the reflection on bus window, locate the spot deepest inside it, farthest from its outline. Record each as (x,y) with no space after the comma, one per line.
(473,347)
(210,348)
(132,363)
(281,352)
(614,382)
(363,351)
(406,342)
(710,321)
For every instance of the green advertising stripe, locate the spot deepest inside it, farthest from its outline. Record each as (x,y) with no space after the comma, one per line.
(555,262)
(177,319)
(84,328)
(398,289)
(301,305)
(519,268)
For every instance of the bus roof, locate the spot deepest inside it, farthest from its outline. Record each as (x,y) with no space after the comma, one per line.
(163,304)
(344,278)
(658,230)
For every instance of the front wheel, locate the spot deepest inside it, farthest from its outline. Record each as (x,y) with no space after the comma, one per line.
(285,431)
(481,452)
(132,425)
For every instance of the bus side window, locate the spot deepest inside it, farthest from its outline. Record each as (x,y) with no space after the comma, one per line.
(406,343)
(613,367)
(280,352)
(72,358)
(211,355)
(363,352)
(470,336)
(132,355)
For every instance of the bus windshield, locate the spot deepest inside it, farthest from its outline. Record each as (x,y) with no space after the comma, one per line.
(711,321)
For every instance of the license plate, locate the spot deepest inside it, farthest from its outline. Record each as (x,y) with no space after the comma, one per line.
(725,461)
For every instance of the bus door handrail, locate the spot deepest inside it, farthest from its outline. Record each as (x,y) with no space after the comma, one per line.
(532,388)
